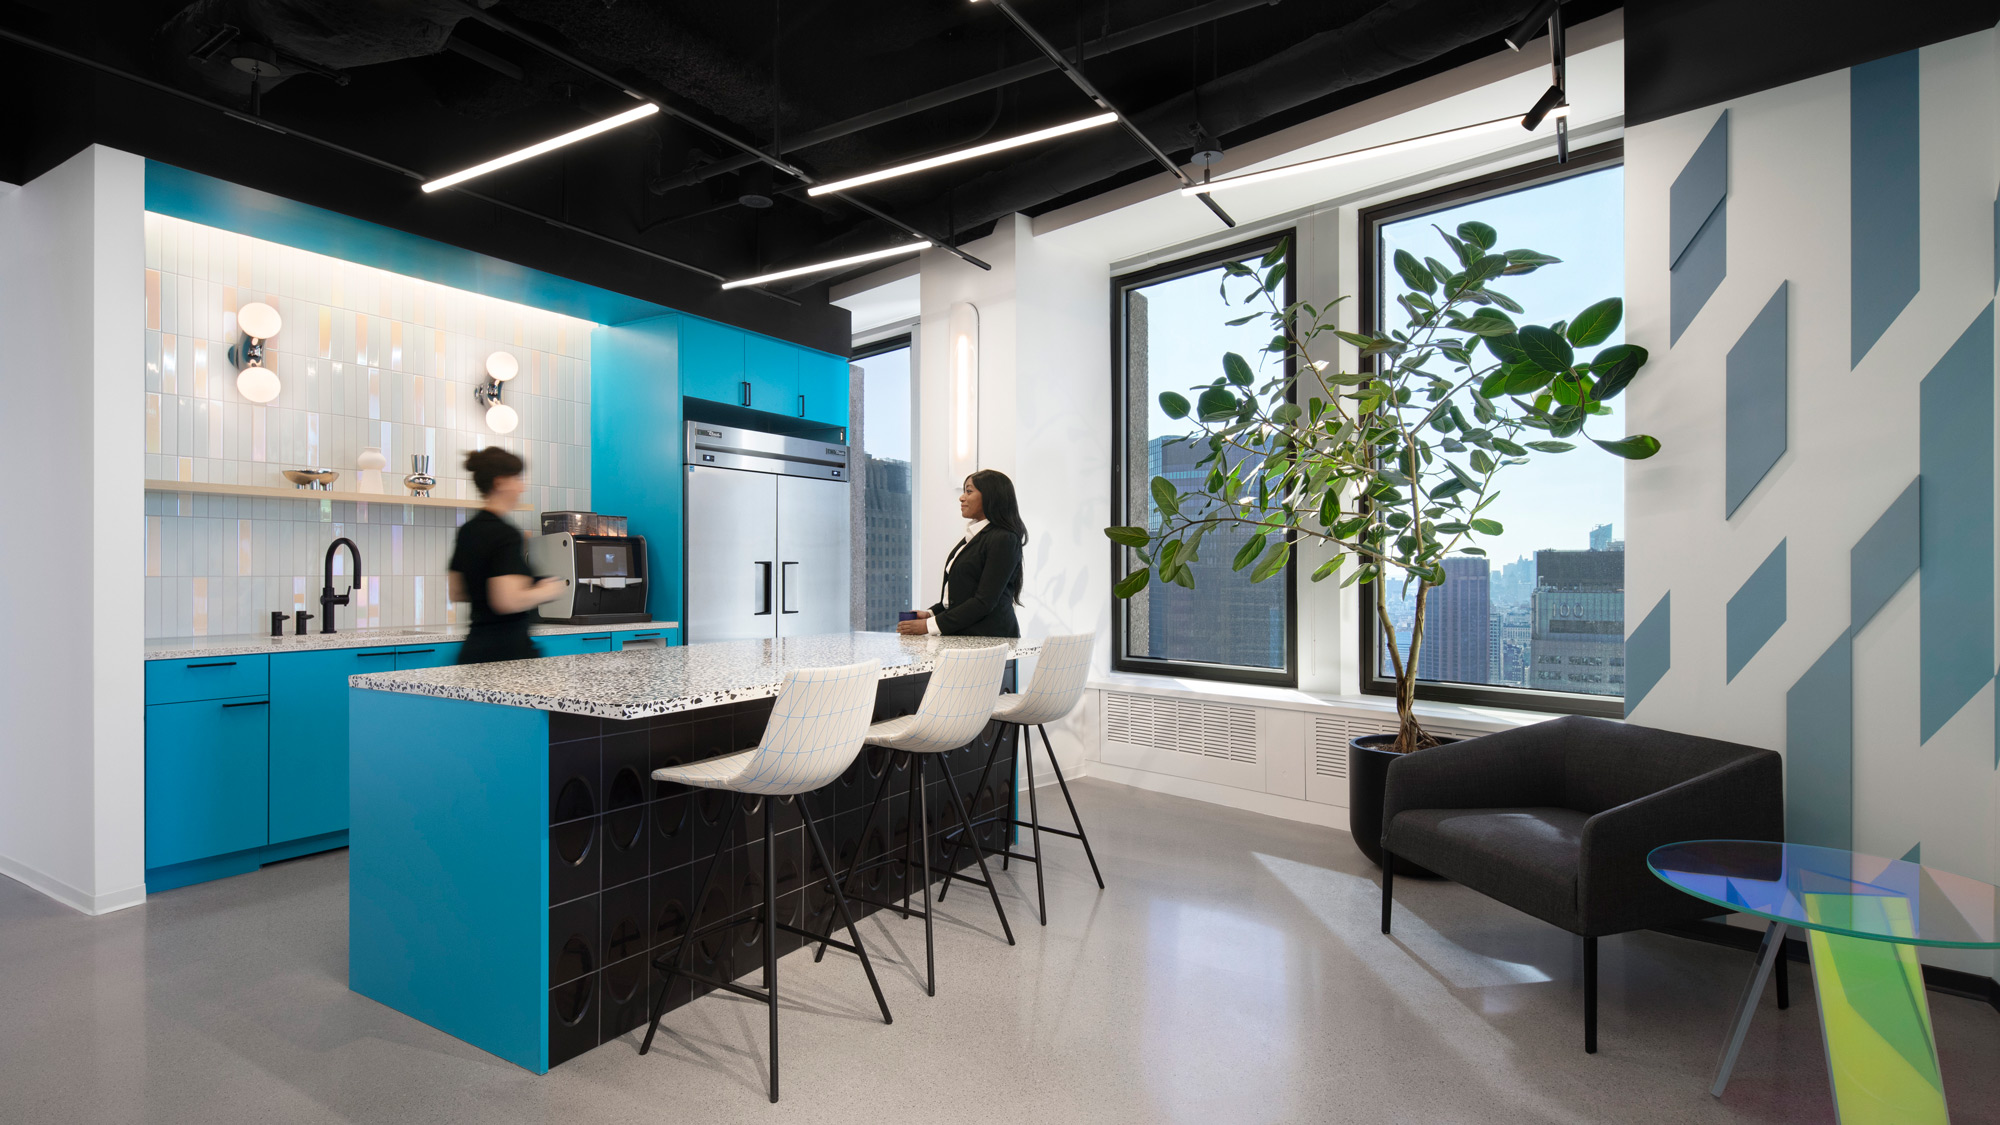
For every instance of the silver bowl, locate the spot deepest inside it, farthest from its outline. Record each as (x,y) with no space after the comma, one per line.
(311,478)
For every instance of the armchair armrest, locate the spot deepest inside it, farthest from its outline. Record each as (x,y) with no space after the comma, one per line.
(1743,800)
(1508,769)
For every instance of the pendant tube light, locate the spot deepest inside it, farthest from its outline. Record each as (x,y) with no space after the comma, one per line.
(1497,125)
(975,151)
(834,264)
(962,327)
(549,145)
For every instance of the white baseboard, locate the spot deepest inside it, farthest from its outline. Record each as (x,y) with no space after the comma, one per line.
(70,896)
(1270,804)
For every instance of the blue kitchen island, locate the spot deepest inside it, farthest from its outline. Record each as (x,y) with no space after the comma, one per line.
(514,870)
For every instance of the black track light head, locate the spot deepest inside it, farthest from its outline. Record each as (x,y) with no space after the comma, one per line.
(1532,24)
(1551,98)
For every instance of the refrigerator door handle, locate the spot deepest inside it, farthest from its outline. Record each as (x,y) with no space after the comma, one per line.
(785,587)
(763,591)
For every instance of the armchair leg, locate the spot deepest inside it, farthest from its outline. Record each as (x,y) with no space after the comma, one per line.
(1388,887)
(1590,996)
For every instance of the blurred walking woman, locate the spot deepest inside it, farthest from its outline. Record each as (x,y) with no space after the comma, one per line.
(982,575)
(489,566)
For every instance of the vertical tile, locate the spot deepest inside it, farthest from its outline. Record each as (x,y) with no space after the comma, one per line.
(153,299)
(257,434)
(152,423)
(198,622)
(201,368)
(245,562)
(169,364)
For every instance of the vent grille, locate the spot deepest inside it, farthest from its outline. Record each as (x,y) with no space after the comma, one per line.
(1183,726)
(1330,734)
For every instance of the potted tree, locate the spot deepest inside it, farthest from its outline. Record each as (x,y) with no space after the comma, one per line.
(1389,469)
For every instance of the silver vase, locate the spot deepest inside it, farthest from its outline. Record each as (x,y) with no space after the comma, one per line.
(420,481)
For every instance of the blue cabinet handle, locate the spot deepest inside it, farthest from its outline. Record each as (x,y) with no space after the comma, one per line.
(802,406)
(386,652)
(605,637)
(641,636)
(746,392)
(413,651)
(252,703)
(217,664)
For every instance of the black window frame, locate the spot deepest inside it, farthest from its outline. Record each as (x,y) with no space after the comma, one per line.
(1582,162)
(1200,262)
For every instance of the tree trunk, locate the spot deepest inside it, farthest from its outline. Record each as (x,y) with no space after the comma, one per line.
(1410,733)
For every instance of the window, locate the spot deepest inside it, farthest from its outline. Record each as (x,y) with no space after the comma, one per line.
(1172,333)
(1536,621)
(888,538)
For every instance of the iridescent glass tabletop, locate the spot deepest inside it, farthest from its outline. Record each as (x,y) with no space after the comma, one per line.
(1837,891)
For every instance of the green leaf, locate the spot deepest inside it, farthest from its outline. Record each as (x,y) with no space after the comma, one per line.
(1184,578)
(1551,446)
(1485,270)
(1504,301)
(1413,273)
(1174,405)
(1528,261)
(1275,278)
(1595,324)
(1489,323)
(1242,320)
(1132,583)
(1253,547)
(1128,536)
(1236,369)
(1495,384)
(1481,463)
(1487,527)
(1546,349)
(1274,561)
(1276,253)
(1506,349)
(1449,528)
(1286,414)
(1638,447)
(1508,447)
(1328,567)
(1478,233)
(1217,403)
(1526,378)
(1615,367)
(1447,490)
(1165,498)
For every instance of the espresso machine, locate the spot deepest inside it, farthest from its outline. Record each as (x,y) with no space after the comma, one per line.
(605,573)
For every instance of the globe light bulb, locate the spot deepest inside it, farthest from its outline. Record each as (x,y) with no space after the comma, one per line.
(258,320)
(258,384)
(501,418)
(502,366)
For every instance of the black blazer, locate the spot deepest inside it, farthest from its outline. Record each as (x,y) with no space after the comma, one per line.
(979,581)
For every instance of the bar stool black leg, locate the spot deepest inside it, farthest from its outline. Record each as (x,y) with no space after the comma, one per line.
(1010,733)
(694,916)
(771,937)
(1074,818)
(985,771)
(833,874)
(978,853)
(840,903)
(914,836)
(1035,829)
(924,819)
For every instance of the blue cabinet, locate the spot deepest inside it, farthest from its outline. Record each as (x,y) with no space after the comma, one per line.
(712,362)
(772,369)
(573,644)
(823,387)
(308,792)
(645,638)
(427,656)
(206,776)
(218,677)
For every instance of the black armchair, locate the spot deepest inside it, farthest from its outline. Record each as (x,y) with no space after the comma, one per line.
(1556,819)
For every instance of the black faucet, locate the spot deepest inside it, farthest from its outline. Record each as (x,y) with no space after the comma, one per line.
(327,598)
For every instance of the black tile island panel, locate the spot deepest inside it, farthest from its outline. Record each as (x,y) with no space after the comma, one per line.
(626,852)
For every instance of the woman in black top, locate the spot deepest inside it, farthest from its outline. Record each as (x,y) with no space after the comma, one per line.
(982,576)
(490,569)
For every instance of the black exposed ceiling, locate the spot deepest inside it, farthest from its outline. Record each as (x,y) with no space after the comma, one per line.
(829,88)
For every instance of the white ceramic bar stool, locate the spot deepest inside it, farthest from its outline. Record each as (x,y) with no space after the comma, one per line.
(1057,688)
(815,733)
(957,704)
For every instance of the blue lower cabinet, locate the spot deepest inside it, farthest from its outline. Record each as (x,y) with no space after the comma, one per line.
(649,638)
(207,773)
(427,656)
(216,677)
(309,737)
(573,644)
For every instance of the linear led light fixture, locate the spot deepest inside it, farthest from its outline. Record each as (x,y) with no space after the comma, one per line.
(822,267)
(1499,124)
(975,151)
(549,145)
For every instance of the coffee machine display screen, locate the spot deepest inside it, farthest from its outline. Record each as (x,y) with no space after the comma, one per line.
(610,560)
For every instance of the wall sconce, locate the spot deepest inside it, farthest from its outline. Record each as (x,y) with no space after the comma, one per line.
(259,323)
(500,367)
(964,360)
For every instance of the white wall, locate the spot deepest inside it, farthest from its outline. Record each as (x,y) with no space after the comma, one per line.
(72,758)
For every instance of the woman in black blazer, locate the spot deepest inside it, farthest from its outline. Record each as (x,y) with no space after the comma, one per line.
(982,575)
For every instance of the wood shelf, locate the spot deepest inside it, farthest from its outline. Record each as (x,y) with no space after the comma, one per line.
(287,492)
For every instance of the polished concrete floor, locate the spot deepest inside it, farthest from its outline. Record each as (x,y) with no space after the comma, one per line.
(1233,972)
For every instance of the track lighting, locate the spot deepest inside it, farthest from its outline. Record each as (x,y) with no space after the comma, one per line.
(1532,23)
(822,267)
(1496,125)
(988,148)
(1550,101)
(549,145)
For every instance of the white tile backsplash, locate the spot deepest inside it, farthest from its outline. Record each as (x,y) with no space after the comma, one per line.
(366,357)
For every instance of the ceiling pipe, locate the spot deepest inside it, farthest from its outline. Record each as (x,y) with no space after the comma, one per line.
(1006,76)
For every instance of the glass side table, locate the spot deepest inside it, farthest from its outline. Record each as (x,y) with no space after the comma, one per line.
(1862,915)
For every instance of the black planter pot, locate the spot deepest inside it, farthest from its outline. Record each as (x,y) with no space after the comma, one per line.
(1368,759)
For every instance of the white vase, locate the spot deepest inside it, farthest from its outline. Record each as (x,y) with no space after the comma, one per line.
(371,458)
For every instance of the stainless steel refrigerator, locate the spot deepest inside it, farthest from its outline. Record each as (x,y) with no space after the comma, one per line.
(767,535)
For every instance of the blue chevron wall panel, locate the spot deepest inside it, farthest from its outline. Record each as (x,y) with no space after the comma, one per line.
(1886,557)
(1756,611)
(1955,422)
(1649,652)
(1884,167)
(1755,404)
(1819,750)
(1698,228)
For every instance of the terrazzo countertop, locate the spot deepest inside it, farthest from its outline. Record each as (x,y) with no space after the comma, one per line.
(249,644)
(646,682)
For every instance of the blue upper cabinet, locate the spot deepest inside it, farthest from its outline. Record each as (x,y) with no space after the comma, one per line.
(772,367)
(712,361)
(823,387)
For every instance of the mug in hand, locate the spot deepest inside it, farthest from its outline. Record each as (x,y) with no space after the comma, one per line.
(906,615)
